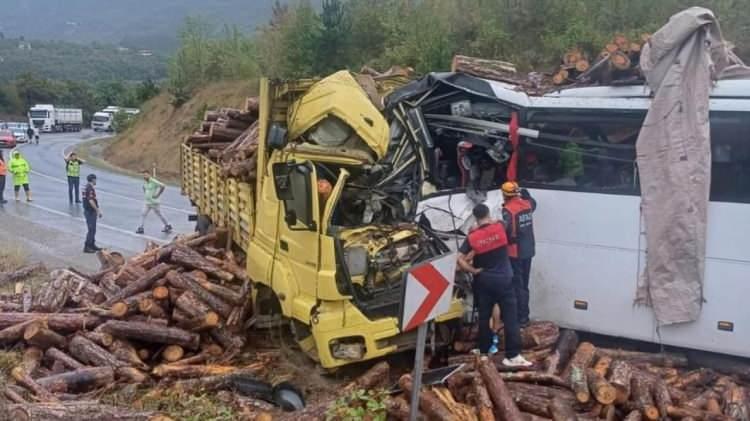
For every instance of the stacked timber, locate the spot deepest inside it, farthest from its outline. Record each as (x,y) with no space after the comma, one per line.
(617,63)
(229,137)
(173,312)
(573,380)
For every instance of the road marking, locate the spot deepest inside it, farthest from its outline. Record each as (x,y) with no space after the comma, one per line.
(57,180)
(98,224)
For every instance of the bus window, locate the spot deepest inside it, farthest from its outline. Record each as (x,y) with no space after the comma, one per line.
(730,156)
(584,151)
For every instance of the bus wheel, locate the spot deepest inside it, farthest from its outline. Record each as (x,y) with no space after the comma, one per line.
(204,225)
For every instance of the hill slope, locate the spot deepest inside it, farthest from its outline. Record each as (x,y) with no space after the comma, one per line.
(160,128)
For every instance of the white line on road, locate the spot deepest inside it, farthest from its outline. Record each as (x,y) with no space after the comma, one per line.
(98,224)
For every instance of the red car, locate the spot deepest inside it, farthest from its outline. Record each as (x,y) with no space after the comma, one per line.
(7,140)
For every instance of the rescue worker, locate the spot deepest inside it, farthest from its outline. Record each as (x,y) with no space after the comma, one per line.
(518,208)
(484,254)
(91,212)
(20,168)
(73,170)
(152,190)
(3,171)
(30,134)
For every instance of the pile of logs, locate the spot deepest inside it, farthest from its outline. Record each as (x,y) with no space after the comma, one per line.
(579,381)
(230,137)
(618,62)
(172,312)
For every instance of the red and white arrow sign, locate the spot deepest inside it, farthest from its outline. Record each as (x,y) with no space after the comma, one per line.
(429,289)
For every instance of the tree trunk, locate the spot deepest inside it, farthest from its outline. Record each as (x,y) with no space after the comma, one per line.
(98,337)
(208,321)
(80,380)
(602,366)
(561,410)
(59,322)
(22,374)
(187,282)
(535,377)
(699,377)
(660,359)
(432,407)
(662,397)
(172,353)
(223,134)
(642,398)
(189,258)
(75,411)
(141,284)
(191,305)
(603,392)
(14,333)
(498,391)
(482,401)
(65,359)
(52,296)
(398,409)
(37,334)
(620,380)
(181,371)
(735,402)
(149,332)
(483,68)
(687,412)
(565,348)
(540,335)
(151,308)
(224,293)
(90,353)
(580,361)
(634,416)
(160,293)
(126,352)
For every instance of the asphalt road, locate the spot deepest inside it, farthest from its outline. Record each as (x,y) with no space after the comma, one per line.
(53,230)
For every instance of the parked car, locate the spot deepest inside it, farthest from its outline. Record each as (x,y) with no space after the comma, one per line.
(7,140)
(20,135)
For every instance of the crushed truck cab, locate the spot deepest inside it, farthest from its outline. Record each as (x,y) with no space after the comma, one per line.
(327,227)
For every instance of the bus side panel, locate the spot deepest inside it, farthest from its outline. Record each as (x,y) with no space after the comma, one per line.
(725,288)
(587,257)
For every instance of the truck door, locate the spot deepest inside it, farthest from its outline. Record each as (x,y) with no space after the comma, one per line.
(295,270)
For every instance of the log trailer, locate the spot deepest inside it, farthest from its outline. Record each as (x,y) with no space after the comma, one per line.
(330,262)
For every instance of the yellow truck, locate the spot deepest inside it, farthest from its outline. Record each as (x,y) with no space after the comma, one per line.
(327,227)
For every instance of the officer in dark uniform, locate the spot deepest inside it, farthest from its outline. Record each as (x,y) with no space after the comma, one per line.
(484,254)
(518,208)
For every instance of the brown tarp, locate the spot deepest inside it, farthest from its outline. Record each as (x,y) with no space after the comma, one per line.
(681,61)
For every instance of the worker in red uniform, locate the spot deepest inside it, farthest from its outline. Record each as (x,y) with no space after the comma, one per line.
(484,254)
(518,208)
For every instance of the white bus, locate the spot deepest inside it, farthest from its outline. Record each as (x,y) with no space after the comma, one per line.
(588,224)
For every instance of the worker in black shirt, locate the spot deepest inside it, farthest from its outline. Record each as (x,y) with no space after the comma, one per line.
(92,212)
(484,254)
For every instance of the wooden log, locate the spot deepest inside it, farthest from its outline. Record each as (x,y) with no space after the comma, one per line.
(659,359)
(534,377)
(662,397)
(620,380)
(582,65)
(131,375)
(141,284)
(172,353)
(77,381)
(483,68)
(224,293)
(699,377)
(735,401)
(398,408)
(7,278)
(76,411)
(561,77)
(682,412)
(482,400)
(620,60)
(128,354)
(39,335)
(220,133)
(701,401)
(603,392)
(499,393)
(151,308)
(208,321)
(432,407)
(211,116)
(576,371)
(21,373)
(13,393)
(14,333)
(65,359)
(59,322)
(561,410)
(183,371)
(641,391)
(190,304)
(148,332)
(160,293)
(571,57)
(52,296)
(188,282)
(540,335)
(713,406)
(602,366)
(98,337)
(634,416)
(88,352)
(190,258)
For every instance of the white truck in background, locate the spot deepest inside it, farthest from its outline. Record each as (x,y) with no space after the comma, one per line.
(102,121)
(48,118)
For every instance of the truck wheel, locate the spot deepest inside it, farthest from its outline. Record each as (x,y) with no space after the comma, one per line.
(204,225)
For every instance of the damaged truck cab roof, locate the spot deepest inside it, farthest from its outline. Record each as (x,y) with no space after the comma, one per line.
(340,97)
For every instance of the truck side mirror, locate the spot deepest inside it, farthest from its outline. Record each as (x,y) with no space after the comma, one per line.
(290,217)
(276,137)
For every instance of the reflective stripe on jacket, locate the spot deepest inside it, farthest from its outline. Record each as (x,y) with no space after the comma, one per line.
(517,214)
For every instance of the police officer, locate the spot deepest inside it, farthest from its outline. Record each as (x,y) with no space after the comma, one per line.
(518,208)
(484,254)
(92,212)
(73,170)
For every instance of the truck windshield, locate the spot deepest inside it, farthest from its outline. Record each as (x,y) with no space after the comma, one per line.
(101,118)
(39,113)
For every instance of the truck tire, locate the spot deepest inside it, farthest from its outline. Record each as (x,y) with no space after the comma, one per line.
(204,225)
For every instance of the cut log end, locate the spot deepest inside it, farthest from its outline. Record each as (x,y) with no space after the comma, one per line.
(172,353)
(119,309)
(160,293)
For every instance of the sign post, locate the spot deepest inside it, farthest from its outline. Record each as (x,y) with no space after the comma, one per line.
(428,292)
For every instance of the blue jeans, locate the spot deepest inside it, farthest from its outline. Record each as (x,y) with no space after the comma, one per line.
(91,226)
(74,185)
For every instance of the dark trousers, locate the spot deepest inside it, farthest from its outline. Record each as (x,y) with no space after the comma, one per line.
(493,290)
(74,184)
(521,273)
(2,188)
(91,225)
